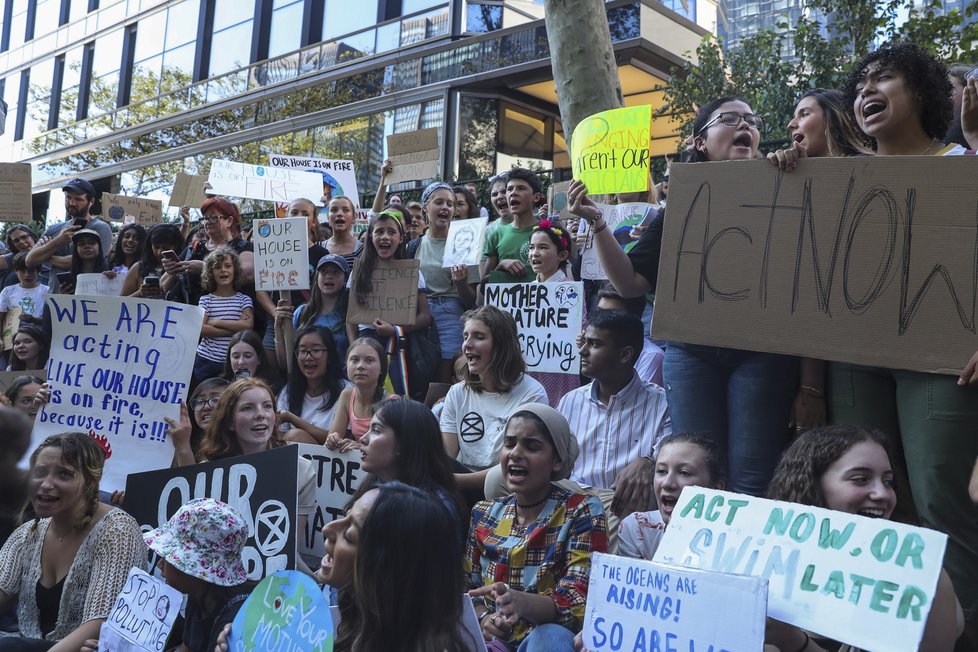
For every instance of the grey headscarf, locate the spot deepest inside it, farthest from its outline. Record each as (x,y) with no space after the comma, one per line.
(564,442)
(430,190)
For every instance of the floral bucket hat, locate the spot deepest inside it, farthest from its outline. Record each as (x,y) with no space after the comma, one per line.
(204,539)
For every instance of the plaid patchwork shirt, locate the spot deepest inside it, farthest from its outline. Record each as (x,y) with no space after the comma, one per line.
(550,556)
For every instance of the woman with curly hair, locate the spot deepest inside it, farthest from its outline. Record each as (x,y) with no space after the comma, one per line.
(849,469)
(67,566)
(900,98)
(226,311)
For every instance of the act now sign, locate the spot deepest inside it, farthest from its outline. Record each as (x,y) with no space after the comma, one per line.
(863,581)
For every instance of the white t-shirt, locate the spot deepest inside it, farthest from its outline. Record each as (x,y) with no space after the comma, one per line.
(310,408)
(29,300)
(639,535)
(478,418)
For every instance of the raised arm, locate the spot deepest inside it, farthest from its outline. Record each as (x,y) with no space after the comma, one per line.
(381,195)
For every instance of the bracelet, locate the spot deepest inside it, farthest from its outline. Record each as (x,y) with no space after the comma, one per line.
(599,228)
(813,391)
(804,646)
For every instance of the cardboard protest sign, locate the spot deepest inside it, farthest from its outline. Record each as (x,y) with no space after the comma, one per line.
(11,322)
(8,377)
(610,150)
(414,155)
(634,604)
(621,219)
(263,182)
(395,295)
(142,616)
(465,239)
(338,476)
(863,581)
(263,487)
(558,203)
(281,254)
(98,284)
(868,260)
(188,190)
(286,611)
(138,210)
(548,318)
(15,192)
(118,366)
(339,176)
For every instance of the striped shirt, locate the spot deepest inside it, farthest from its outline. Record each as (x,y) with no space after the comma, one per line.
(614,435)
(230,308)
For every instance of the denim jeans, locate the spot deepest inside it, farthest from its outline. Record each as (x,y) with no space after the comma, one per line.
(548,638)
(740,398)
(446,313)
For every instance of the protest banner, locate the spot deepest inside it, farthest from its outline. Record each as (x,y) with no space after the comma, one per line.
(610,150)
(8,377)
(465,239)
(263,182)
(867,260)
(118,366)
(11,322)
(98,284)
(634,604)
(339,176)
(142,616)
(863,581)
(281,254)
(548,318)
(395,295)
(188,190)
(621,219)
(414,155)
(15,192)
(338,476)
(131,210)
(263,487)
(286,611)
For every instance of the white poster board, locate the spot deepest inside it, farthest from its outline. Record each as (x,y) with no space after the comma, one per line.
(339,176)
(338,476)
(465,241)
(621,218)
(863,581)
(98,284)
(142,616)
(118,365)
(281,254)
(634,604)
(548,319)
(262,182)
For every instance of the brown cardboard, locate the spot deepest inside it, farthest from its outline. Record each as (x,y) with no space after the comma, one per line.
(7,377)
(414,155)
(120,208)
(15,192)
(188,190)
(395,295)
(891,236)
(11,323)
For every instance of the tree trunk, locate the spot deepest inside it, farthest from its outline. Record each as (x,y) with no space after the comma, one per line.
(583,60)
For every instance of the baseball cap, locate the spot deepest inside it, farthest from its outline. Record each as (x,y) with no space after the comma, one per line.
(80,186)
(83,232)
(339,261)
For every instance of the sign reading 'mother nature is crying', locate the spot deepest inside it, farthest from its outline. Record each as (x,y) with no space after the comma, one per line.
(868,260)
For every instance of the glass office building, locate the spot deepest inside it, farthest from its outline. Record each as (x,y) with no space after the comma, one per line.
(128,92)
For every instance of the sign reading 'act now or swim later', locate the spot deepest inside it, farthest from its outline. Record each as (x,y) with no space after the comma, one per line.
(865,581)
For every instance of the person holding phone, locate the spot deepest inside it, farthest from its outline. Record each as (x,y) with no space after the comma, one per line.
(55,246)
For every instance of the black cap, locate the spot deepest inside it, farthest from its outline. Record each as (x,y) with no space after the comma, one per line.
(80,186)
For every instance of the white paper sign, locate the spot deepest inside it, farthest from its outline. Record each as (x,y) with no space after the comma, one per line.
(263,182)
(142,616)
(99,284)
(548,318)
(281,254)
(641,605)
(339,177)
(338,477)
(620,218)
(863,581)
(118,365)
(465,240)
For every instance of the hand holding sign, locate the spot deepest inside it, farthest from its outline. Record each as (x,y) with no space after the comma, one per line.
(286,610)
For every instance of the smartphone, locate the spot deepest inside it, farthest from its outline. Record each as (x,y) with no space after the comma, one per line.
(66,278)
(151,281)
(80,221)
(171,256)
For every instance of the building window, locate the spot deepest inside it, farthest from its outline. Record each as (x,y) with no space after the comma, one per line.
(68,111)
(47,17)
(21,121)
(232,32)
(286,31)
(18,23)
(338,20)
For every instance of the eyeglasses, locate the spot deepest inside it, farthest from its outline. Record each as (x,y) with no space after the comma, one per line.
(733,118)
(211,219)
(199,403)
(315,354)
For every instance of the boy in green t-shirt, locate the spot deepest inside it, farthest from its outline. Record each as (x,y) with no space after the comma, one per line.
(507,248)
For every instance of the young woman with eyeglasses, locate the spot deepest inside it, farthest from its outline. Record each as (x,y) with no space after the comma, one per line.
(742,399)
(308,402)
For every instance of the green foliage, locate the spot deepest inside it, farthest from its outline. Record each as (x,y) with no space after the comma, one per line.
(760,72)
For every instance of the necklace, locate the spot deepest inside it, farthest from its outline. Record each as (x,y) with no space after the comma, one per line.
(532,505)
(932,143)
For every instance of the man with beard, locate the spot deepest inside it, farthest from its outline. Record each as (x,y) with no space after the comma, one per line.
(55,246)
